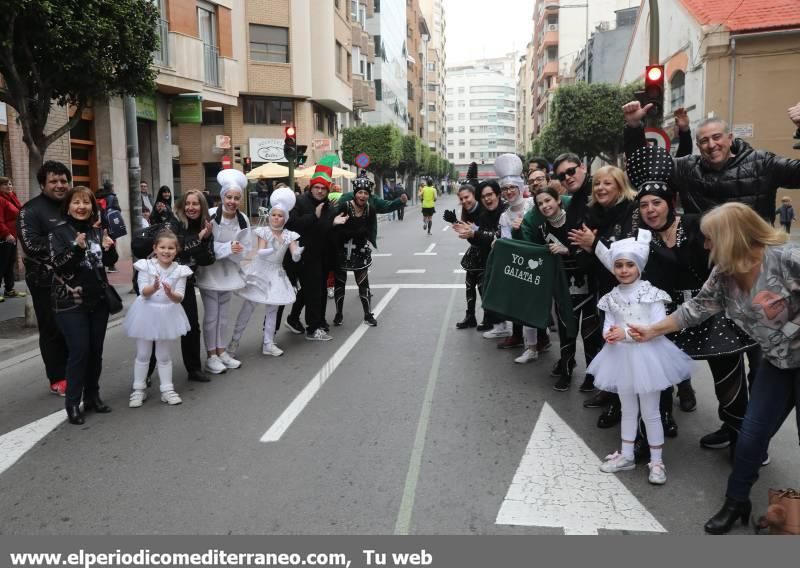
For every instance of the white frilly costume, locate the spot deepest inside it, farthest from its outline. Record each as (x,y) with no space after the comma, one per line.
(628,366)
(158,317)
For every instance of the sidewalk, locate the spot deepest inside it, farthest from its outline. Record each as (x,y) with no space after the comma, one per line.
(16,339)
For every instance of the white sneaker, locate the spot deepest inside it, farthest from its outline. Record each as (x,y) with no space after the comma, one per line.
(658,473)
(527,356)
(171,397)
(330,292)
(271,349)
(229,361)
(233,347)
(137,398)
(318,335)
(499,330)
(616,462)
(215,366)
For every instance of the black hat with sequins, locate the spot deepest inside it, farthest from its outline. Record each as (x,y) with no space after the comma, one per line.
(363,183)
(650,169)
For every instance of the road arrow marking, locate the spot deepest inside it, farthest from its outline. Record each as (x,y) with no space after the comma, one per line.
(559,484)
(279,427)
(14,444)
(428,251)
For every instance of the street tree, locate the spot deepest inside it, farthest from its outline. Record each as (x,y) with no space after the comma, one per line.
(383,144)
(547,144)
(587,119)
(71,52)
(410,163)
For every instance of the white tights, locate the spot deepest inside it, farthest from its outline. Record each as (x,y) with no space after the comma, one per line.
(647,404)
(246,312)
(144,347)
(215,318)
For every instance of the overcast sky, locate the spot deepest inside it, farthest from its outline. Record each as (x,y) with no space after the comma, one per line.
(486,28)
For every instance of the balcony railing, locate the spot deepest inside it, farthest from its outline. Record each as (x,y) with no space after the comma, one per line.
(211,65)
(161,54)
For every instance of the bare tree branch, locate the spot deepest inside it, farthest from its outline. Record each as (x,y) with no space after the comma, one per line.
(66,127)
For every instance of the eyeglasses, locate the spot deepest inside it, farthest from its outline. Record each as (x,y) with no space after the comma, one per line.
(489,194)
(568,172)
(534,181)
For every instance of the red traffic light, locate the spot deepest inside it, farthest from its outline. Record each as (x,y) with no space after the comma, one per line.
(289,131)
(655,73)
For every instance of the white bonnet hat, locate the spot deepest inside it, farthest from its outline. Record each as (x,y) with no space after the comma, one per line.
(636,249)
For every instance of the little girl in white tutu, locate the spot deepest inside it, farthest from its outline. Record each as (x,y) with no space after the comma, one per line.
(157,316)
(638,372)
(266,280)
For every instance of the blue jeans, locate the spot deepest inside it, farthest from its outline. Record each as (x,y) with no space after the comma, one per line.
(85,333)
(774,394)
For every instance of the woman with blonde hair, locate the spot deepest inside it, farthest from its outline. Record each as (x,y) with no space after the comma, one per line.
(756,283)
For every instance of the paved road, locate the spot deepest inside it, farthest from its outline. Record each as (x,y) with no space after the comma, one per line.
(410,427)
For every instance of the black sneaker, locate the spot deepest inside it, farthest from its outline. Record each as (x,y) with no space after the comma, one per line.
(467,322)
(338,319)
(199,377)
(588,384)
(484,326)
(562,384)
(611,416)
(686,399)
(718,440)
(325,325)
(556,370)
(370,320)
(295,326)
(597,401)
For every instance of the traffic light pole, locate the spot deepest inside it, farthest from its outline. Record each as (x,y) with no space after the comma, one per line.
(290,162)
(655,121)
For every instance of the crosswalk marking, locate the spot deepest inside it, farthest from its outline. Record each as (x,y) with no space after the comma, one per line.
(428,251)
(411,271)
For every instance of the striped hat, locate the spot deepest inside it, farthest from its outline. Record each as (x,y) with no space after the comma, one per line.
(323,174)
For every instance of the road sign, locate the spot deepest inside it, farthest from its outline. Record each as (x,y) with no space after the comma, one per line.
(226,162)
(362,160)
(658,137)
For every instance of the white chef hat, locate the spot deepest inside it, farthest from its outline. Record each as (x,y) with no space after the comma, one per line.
(508,168)
(231,179)
(284,199)
(635,248)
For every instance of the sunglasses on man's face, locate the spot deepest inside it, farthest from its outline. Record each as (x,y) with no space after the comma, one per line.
(568,172)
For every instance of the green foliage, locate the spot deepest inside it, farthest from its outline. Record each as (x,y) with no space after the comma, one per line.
(73,52)
(587,120)
(383,144)
(410,161)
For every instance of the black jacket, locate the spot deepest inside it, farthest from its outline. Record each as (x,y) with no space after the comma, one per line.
(193,252)
(36,220)
(314,232)
(80,274)
(488,223)
(750,176)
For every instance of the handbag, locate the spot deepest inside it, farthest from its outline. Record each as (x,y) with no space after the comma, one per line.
(783,513)
(113,301)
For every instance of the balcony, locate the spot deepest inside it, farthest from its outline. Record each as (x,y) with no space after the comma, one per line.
(363,94)
(550,68)
(161,55)
(211,75)
(549,38)
(355,30)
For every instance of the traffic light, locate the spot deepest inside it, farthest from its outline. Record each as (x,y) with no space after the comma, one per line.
(248,164)
(290,143)
(237,153)
(301,155)
(654,90)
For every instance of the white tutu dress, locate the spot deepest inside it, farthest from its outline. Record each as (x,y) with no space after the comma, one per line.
(266,280)
(628,366)
(158,317)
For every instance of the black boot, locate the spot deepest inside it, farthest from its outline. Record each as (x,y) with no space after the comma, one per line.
(669,424)
(95,404)
(74,415)
(611,415)
(484,326)
(731,511)
(338,319)
(467,322)
(686,398)
(370,320)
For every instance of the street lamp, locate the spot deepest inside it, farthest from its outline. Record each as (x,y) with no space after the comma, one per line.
(586,6)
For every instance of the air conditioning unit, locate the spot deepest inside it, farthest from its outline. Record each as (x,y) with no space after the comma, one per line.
(552,27)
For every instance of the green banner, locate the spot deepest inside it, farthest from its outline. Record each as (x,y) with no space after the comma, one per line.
(146,107)
(187,109)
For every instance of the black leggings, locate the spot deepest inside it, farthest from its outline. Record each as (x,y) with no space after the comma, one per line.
(584,307)
(362,280)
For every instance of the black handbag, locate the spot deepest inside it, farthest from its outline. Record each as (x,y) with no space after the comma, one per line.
(472,259)
(113,301)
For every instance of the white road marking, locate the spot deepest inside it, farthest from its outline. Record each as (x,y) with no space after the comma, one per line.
(411,271)
(461,254)
(445,228)
(294,409)
(559,484)
(381,254)
(428,251)
(410,286)
(14,444)
(458,271)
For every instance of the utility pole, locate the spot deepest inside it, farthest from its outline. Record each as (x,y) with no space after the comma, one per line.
(134,169)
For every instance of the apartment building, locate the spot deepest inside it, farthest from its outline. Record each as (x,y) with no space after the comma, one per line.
(524,101)
(417,37)
(434,101)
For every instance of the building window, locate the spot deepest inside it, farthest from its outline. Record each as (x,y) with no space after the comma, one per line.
(213,117)
(552,53)
(269,43)
(450,156)
(378,90)
(262,110)
(338,53)
(677,89)
(461,155)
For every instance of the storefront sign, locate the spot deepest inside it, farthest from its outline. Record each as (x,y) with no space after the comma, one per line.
(321,144)
(223,142)
(267,150)
(146,107)
(187,109)
(743,130)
